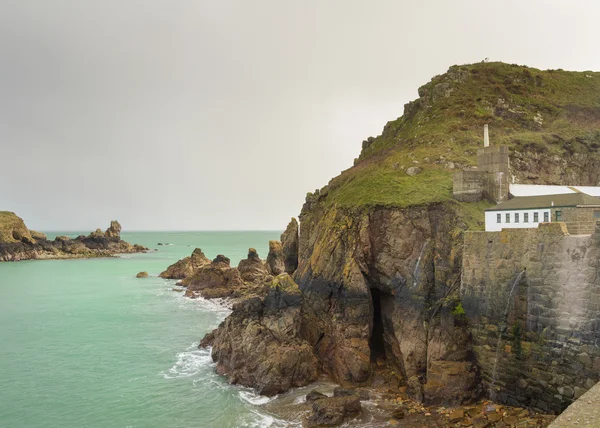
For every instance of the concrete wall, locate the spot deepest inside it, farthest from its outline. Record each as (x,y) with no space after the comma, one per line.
(491,179)
(491,224)
(532,299)
(468,185)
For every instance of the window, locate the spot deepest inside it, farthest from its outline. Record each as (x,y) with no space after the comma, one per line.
(558,215)
(507,217)
(516,217)
(526,218)
(546,217)
(597,214)
(499,218)
(536,218)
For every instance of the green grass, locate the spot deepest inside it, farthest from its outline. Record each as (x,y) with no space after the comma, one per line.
(436,130)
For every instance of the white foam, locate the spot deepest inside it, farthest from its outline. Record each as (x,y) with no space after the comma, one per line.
(189,363)
(249,396)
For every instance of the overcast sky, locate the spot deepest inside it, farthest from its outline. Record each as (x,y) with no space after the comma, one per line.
(199,115)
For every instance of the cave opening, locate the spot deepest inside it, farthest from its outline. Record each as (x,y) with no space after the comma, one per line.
(377,340)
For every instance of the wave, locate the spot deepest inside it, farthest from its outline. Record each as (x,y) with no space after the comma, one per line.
(251,397)
(189,363)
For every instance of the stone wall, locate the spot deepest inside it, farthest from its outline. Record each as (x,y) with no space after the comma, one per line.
(468,185)
(579,221)
(532,299)
(490,181)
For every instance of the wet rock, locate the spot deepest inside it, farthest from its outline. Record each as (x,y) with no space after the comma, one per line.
(456,416)
(314,395)
(450,383)
(333,411)
(142,275)
(259,344)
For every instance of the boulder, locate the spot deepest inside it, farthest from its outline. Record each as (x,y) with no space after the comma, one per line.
(253,269)
(290,243)
(38,236)
(413,170)
(259,344)
(314,395)
(333,411)
(275,258)
(450,383)
(143,274)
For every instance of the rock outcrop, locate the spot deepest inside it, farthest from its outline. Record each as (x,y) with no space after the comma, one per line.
(143,274)
(19,243)
(215,280)
(253,269)
(259,344)
(290,244)
(275,258)
(187,266)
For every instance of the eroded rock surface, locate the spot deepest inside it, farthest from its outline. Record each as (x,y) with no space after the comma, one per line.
(290,242)
(253,269)
(259,344)
(187,266)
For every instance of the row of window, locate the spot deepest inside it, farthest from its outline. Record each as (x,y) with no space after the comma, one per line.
(536,217)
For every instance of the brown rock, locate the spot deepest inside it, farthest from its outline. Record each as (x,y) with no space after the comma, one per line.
(142,275)
(314,395)
(457,415)
(186,267)
(275,258)
(215,280)
(333,411)
(114,230)
(450,383)
(290,243)
(253,269)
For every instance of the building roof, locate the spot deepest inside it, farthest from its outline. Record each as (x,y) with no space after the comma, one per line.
(547,201)
(518,190)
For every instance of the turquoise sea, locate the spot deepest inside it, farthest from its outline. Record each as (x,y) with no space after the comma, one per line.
(83,343)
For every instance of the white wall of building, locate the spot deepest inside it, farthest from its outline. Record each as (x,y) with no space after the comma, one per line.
(492,225)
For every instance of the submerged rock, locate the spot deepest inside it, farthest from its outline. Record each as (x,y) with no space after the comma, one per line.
(142,275)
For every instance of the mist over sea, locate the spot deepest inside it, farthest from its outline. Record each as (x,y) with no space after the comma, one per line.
(84,343)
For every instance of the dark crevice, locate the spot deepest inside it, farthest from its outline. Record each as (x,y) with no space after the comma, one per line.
(377,341)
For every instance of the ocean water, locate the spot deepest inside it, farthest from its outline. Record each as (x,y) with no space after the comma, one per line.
(83,343)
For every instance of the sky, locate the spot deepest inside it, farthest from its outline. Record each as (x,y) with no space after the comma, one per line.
(222,115)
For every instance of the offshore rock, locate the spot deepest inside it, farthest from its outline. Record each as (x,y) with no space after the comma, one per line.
(259,344)
(187,266)
(290,243)
(215,280)
(114,230)
(19,243)
(275,258)
(253,269)
(143,274)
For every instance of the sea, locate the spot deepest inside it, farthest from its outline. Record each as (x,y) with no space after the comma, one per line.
(84,343)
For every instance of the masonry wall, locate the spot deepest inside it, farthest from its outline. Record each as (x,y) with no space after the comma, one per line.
(532,298)
(579,221)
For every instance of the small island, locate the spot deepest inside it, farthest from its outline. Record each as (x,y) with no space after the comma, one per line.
(17,242)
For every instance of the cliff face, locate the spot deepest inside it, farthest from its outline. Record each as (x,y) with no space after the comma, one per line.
(381,245)
(380,248)
(19,243)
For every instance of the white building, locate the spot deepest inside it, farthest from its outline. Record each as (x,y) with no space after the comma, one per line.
(578,210)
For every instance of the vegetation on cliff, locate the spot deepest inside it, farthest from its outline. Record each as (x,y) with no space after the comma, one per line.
(550,115)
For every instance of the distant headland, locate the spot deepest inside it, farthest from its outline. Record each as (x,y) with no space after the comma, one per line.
(17,242)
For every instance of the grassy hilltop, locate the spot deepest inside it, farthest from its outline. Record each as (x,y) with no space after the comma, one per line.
(552,113)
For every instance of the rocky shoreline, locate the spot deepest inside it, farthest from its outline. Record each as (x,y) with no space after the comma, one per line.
(261,345)
(18,243)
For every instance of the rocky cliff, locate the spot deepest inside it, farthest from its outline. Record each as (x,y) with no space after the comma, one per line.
(380,247)
(17,242)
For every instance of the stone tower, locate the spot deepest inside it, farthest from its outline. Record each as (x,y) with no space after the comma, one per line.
(491,178)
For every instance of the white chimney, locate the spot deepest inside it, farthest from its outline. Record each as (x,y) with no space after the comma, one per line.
(486,136)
